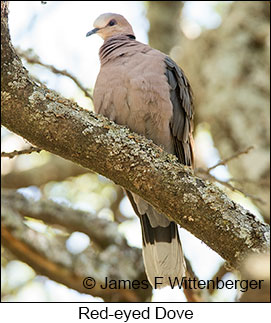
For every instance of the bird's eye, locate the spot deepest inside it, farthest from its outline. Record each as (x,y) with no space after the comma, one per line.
(112,22)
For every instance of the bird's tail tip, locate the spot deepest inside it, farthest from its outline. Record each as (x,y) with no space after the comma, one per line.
(162,255)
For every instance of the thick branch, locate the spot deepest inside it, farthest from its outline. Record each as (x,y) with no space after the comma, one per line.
(48,256)
(60,126)
(55,169)
(100,231)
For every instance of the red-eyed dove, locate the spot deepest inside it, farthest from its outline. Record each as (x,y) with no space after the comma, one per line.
(144,89)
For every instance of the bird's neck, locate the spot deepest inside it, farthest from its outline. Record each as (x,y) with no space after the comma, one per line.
(115,46)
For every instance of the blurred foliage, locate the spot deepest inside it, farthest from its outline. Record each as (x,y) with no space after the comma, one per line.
(229,69)
(95,194)
(164,17)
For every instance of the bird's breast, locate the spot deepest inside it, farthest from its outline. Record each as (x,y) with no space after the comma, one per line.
(132,90)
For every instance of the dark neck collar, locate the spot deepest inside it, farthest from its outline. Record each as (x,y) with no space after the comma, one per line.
(131,36)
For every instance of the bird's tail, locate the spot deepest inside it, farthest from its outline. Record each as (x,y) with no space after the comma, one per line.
(162,253)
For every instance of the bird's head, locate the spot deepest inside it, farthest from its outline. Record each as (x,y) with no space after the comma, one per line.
(111,24)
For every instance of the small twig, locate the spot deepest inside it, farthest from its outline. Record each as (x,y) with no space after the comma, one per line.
(35,60)
(227,184)
(262,181)
(21,152)
(226,160)
(253,197)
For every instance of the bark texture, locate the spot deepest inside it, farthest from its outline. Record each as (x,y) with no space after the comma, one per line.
(60,126)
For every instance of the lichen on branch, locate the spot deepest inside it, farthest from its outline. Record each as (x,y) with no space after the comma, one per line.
(60,126)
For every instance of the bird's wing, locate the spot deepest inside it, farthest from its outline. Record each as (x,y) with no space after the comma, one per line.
(181,123)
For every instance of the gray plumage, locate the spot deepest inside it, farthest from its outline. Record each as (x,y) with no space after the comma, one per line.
(144,89)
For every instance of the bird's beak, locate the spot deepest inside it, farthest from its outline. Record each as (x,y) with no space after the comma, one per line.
(93,31)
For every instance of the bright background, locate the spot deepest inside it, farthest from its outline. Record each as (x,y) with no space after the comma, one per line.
(56,33)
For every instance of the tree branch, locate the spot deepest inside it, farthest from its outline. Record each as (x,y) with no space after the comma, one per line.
(34,59)
(207,175)
(20,152)
(60,126)
(55,169)
(47,254)
(102,232)
(226,160)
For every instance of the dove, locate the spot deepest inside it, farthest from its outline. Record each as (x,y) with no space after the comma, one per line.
(145,90)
